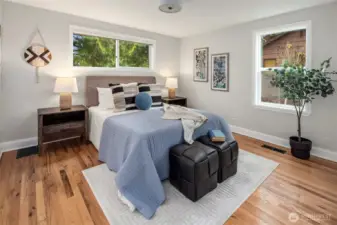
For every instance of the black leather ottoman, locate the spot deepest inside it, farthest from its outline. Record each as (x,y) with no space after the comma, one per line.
(194,169)
(228,156)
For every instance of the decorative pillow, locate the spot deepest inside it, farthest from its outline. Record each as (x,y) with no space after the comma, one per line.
(143,101)
(116,84)
(154,90)
(105,98)
(112,85)
(124,96)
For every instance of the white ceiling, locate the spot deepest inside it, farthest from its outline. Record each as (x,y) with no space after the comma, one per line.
(197,16)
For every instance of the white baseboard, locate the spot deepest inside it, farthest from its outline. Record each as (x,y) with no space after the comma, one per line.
(260,136)
(17,144)
(316,151)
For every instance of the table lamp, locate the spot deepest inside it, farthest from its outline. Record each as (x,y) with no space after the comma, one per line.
(65,86)
(172,84)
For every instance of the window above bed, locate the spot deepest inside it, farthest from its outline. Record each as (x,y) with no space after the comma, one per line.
(95,49)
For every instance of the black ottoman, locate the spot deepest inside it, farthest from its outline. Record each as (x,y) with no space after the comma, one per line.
(228,156)
(193,169)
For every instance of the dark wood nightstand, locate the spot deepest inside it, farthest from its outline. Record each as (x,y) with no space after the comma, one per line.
(55,125)
(175,101)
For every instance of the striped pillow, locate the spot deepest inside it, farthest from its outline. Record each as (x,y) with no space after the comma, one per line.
(154,91)
(124,96)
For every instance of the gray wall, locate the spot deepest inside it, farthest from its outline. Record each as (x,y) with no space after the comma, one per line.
(237,105)
(1,9)
(21,96)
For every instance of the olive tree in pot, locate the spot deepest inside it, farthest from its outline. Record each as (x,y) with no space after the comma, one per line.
(301,85)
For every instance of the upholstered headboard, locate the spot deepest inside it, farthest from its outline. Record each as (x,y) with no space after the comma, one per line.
(92,82)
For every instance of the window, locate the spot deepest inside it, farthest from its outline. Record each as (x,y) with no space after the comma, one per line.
(272,47)
(93,51)
(99,49)
(133,54)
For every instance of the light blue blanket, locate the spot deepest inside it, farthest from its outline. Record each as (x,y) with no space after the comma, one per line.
(136,146)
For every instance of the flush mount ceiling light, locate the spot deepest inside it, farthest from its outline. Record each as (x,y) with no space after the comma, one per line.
(170,6)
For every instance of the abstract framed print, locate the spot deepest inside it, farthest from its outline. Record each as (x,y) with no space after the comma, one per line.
(200,72)
(220,72)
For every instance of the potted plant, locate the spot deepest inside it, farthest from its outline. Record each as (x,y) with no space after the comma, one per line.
(301,85)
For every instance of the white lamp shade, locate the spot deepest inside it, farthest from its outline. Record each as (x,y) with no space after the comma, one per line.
(171,82)
(65,84)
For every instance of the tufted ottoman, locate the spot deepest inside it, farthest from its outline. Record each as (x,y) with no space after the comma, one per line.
(228,156)
(193,169)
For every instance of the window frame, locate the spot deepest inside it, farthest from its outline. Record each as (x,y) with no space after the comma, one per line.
(258,66)
(117,37)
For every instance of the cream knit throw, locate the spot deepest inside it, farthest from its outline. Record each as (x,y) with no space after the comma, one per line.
(190,119)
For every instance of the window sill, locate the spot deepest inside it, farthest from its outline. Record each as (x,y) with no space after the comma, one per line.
(281,109)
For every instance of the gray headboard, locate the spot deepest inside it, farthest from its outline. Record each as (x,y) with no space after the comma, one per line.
(92,82)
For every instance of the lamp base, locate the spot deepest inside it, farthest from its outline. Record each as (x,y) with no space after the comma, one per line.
(65,101)
(172,93)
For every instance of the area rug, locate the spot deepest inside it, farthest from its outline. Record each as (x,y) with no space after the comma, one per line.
(214,208)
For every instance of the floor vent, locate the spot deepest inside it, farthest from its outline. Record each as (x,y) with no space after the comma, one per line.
(274,149)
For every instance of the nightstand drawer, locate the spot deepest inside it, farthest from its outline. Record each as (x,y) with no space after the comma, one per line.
(72,126)
(62,135)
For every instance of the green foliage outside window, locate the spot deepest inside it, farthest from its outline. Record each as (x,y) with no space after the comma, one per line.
(93,51)
(132,54)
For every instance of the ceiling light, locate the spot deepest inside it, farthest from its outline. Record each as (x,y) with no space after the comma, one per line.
(170,6)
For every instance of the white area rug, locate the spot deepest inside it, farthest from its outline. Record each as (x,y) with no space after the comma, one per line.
(214,208)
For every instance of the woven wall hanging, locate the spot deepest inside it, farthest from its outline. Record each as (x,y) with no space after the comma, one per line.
(37,54)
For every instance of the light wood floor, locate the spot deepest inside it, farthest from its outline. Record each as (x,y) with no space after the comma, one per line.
(52,190)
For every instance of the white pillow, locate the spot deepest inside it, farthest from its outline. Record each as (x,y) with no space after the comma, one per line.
(105,98)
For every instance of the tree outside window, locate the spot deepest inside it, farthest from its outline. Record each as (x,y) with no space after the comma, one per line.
(95,51)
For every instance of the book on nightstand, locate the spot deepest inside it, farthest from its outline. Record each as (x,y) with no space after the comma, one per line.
(216,136)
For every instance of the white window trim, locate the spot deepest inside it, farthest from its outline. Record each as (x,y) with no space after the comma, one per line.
(258,65)
(116,36)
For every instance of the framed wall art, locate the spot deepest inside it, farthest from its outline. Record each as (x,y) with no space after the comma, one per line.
(200,72)
(220,72)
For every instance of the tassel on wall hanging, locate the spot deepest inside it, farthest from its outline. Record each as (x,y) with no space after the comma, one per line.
(37,54)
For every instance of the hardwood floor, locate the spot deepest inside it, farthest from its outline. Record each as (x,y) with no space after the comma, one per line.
(52,190)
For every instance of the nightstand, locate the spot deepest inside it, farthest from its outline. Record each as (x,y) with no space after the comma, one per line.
(175,101)
(56,125)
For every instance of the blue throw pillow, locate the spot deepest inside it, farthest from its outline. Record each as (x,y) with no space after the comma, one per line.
(143,101)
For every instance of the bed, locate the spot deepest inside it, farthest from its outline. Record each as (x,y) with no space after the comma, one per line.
(135,144)
(98,115)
